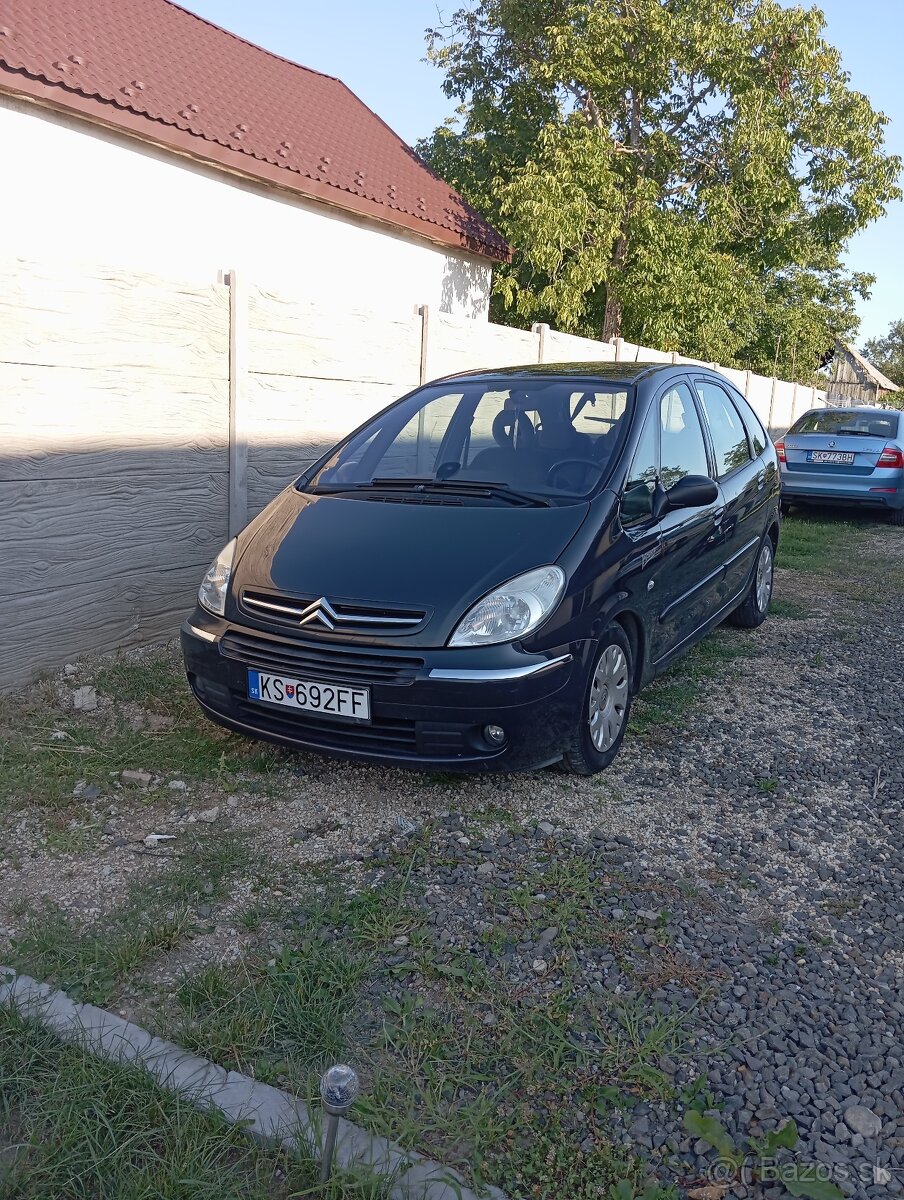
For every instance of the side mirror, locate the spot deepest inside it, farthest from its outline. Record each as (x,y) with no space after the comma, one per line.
(693,491)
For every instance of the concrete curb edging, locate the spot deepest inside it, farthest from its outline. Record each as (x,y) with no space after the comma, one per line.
(269,1114)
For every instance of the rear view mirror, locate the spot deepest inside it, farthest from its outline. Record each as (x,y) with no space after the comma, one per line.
(693,491)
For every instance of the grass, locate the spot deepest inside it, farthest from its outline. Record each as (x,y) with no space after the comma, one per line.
(791,609)
(669,700)
(494,1080)
(72,1125)
(816,543)
(90,961)
(46,747)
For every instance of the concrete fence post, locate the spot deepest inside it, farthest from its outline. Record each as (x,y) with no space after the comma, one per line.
(540,328)
(771,421)
(424,313)
(619,347)
(238,405)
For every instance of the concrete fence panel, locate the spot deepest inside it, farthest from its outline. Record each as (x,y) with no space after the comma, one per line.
(113,457)
(143,419)
(566,347)
(461,344)
(759,396)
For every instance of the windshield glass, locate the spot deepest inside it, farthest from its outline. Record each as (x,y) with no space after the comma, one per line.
(546,438)
(846,420)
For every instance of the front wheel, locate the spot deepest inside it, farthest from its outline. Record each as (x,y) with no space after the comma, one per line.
(753,609)
(606,707)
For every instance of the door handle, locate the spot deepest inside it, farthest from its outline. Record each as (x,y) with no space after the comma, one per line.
(718,515)
(761,480)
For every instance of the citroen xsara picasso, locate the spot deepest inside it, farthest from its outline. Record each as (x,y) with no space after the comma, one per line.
(483,575)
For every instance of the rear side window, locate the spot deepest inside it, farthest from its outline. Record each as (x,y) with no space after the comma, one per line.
(754,426)
(726,428)
(682,448)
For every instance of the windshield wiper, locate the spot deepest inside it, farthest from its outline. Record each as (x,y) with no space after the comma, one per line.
(467,487)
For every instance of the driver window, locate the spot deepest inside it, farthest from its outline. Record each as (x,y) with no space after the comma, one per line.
(637,498)
(682,448)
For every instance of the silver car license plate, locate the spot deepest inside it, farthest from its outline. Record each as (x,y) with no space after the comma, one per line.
(308,695)
(830,456)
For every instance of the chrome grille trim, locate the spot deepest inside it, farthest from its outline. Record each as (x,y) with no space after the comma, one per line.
(338,616)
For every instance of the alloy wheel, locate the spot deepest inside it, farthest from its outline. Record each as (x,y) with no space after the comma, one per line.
(609,695)
(764,576)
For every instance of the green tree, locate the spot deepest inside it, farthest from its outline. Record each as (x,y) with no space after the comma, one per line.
(887,353)
(683,173)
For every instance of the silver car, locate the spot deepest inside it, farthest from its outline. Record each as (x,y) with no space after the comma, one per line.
(845,456)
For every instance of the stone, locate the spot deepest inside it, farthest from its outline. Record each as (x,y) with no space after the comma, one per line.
(209,815)
(539,966)
(486,868)
(140,777)
(177,785)
(70,668)
(863,1121)
(84,699)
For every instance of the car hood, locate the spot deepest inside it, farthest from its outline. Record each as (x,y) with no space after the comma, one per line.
(440,558)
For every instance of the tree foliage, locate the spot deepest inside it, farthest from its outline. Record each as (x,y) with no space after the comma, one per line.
(683,173)
(887,353)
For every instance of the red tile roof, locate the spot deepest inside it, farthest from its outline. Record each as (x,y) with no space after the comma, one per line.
(162,73)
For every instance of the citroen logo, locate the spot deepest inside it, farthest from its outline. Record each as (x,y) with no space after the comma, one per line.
(320,610)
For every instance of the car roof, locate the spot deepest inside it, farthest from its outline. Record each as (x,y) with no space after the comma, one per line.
(623,372)
(855,408)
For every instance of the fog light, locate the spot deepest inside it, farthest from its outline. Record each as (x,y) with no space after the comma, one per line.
(494,734)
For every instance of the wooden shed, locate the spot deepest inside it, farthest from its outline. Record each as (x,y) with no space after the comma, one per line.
(854,380)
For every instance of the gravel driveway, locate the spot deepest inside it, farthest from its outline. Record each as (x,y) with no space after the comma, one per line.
(746,849)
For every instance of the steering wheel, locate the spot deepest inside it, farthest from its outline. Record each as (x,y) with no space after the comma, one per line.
(511,425)
(570,462)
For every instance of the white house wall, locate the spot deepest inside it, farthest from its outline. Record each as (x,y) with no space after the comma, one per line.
(81,194)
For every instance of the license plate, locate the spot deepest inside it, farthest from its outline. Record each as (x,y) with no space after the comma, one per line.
(829,456)
(328,699)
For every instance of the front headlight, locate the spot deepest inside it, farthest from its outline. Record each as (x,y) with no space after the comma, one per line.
(213,589)
(512,610)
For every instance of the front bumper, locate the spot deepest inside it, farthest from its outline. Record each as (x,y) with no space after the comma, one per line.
(428,707)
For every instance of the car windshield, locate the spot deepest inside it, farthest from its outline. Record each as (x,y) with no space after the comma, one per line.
(518,441)
(846,420)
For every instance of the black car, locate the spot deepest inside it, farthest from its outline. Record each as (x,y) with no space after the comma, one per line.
(483,575)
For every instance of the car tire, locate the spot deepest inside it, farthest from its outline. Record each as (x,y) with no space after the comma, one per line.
(753,609)
(896,516)
(605,707)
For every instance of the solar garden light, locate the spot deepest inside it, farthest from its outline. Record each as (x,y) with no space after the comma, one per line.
(339,1089)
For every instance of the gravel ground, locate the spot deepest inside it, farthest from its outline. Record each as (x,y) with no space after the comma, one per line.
(750,853)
